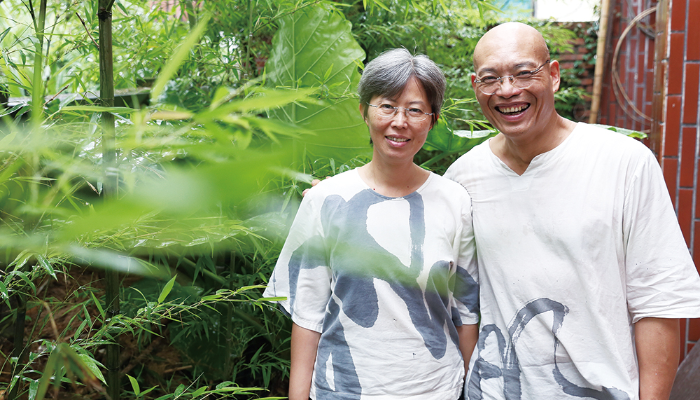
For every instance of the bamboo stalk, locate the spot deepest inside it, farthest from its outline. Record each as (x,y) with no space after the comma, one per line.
(109,158)
(19,349)
(229,320)
(18,345)
(37,82)
(660,62)
(600,61)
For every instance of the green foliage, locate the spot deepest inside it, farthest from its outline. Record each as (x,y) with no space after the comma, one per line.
(314,48)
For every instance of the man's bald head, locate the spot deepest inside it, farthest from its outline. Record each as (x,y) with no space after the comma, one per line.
(514,36)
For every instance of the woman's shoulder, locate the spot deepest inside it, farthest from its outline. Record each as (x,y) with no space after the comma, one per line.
(340,184)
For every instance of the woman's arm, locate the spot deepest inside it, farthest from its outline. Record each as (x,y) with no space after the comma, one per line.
(304,347)
(468,335)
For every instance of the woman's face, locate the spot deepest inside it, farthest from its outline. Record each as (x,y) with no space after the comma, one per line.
(396,137)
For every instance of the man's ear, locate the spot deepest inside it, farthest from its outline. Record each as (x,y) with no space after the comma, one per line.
(473,79)
(555,74)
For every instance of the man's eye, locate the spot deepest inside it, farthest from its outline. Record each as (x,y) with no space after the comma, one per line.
(524,74)
(488,79)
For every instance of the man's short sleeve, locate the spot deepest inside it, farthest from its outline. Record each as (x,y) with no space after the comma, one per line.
(661,279)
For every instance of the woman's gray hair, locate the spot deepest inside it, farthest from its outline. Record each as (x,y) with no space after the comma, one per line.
(389,73)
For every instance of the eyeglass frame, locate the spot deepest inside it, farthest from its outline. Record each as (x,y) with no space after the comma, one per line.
(512,78)
(396,111)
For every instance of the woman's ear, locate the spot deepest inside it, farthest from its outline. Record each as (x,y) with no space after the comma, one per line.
(434,121)
(362,112)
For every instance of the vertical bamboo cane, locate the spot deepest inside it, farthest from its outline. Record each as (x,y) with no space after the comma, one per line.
(660,78)
(600,61)
(18,349)
(109,159)
(38,83)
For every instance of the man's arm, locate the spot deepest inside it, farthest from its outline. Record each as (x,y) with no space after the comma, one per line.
(658,348)
(468,336)
(304,347)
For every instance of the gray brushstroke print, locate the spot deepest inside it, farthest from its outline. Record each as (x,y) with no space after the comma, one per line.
(510,370)
(356,259)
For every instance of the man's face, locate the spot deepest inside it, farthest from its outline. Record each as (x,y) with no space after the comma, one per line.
(518,112)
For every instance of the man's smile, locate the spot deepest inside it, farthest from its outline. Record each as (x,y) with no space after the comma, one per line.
(512,110)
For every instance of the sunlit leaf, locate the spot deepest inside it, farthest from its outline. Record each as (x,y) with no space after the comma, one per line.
(314,48)
(92,366)
(116,110)
(134,384)
(182,52)
(166,290)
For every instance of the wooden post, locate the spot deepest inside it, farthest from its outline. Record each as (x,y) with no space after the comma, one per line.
(660,62)
(600,61)
(110,185)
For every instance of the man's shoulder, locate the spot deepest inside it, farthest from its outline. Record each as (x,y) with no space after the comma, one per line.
(467,161)
(600,137)
(444,183)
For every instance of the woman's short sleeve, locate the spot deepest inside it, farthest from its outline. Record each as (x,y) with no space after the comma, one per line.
(302,274)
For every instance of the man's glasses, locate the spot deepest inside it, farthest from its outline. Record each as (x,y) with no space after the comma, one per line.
(387,111)
(489,85)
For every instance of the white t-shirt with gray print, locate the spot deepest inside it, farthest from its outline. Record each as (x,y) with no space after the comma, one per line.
(571,254)
(385,281)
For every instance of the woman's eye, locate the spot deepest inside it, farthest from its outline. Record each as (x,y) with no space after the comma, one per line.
(415,111)
(386,106)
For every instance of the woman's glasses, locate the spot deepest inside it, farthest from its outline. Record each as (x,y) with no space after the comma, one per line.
(489,85)
(387,111)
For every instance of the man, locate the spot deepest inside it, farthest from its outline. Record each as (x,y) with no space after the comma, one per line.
(583,270)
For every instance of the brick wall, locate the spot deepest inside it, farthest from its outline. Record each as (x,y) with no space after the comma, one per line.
(680,129)
(635,67)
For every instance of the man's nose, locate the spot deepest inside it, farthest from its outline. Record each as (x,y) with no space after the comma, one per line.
(506,88)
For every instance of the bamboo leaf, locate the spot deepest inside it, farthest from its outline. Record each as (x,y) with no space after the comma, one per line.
(166,290)
(178,58)
(3,34)
(628,132)
(46,265)
(5,294)
(116,110)
(91,364)
(170,115)
(134,384)
(98,305)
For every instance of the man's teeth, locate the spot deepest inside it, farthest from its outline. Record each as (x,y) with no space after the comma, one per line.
(510,110)
(395,139)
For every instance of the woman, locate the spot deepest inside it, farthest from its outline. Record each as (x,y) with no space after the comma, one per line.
(379,267)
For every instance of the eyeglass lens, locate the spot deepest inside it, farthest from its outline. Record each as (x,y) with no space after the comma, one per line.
(517,81)
(385,111)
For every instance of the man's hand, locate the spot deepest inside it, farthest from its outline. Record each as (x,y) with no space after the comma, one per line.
(313,183)
(658,348)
